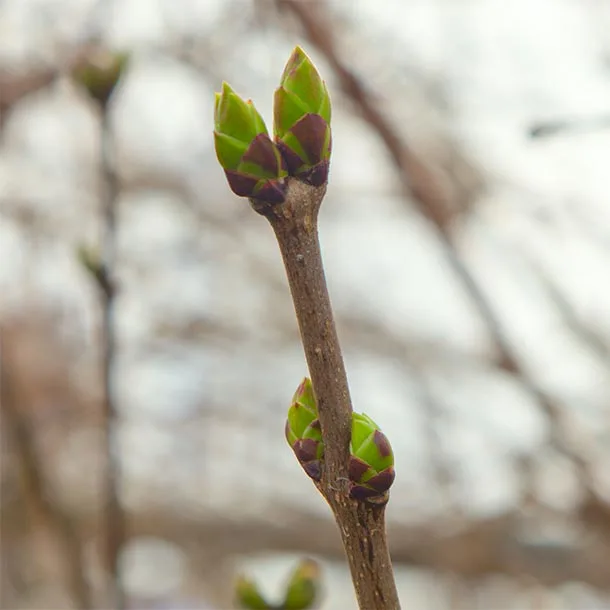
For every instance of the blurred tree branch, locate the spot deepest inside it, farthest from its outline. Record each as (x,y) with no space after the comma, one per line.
(36,492)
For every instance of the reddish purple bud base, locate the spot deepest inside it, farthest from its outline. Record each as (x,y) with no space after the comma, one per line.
(379,483)
(273,191)
(357,468)
(306,450)
(311,132)
(380,439)
(263,152)
(362,494)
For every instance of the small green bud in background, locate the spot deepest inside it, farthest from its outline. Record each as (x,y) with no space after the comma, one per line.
(301,120)
(92,263)
(99,73)
(303,588)
(248,595)
(252,162)
(371,466)
(303,431)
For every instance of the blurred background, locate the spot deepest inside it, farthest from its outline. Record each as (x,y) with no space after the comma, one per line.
(466,235)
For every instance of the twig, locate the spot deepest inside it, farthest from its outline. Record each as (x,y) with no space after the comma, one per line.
(423,185)
(544,129)
(114,525)
(362,526)
(37,487)
(472,549)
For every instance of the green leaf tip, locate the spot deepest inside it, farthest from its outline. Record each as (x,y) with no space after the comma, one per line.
(301,120)
(252,163)
(248,596)
(303,431)
(303,589)
(371,466)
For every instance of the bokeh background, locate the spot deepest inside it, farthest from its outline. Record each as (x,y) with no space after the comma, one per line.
(466,234)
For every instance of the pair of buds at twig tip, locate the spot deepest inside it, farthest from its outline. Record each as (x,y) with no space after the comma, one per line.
(301,592)
(257,166)
(371,463)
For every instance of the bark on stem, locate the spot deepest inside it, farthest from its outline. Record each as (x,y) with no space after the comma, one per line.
(114,516)
(362,526)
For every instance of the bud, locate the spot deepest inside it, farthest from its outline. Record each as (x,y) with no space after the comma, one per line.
(99,73)
(248,595)
(301,120)
(91,262)
(303,431)
(371,466)
(252,162)
(303,587)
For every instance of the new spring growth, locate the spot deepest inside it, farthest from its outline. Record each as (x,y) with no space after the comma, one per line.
(301,120)
(251,161)
(99,73)
(303,589)
(248,596)
(303,431)
(371,466)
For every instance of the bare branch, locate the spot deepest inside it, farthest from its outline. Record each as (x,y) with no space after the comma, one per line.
(37,486)
(114,514)
(362,525)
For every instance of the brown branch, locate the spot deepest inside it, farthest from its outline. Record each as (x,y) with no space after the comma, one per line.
(426,188)
(14,87)
(472,549)
(362,526)
(37,489)
(114,518)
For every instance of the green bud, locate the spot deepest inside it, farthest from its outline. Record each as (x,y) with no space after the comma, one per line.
(301,120)
(248,595)
(99,73)
(303,431)
(251,161)
(371,466)
(303,587)
(92,263)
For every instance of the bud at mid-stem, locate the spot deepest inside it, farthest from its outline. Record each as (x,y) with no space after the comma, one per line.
(252,162)
(371,466)
(303,587)
(99,73)
(248,595)
(303,431)
(301,120)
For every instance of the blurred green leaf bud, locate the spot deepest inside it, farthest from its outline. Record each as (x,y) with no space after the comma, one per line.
(371,466)
(301,120)
(303,431)
(303,588)
(252,162)
(99,73)
(248,595)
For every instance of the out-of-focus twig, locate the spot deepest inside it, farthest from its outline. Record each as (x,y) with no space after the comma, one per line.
(470,548)
(544,129)
(99,74)
(14,87)
(38,492)
(114,514)
(429,192)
